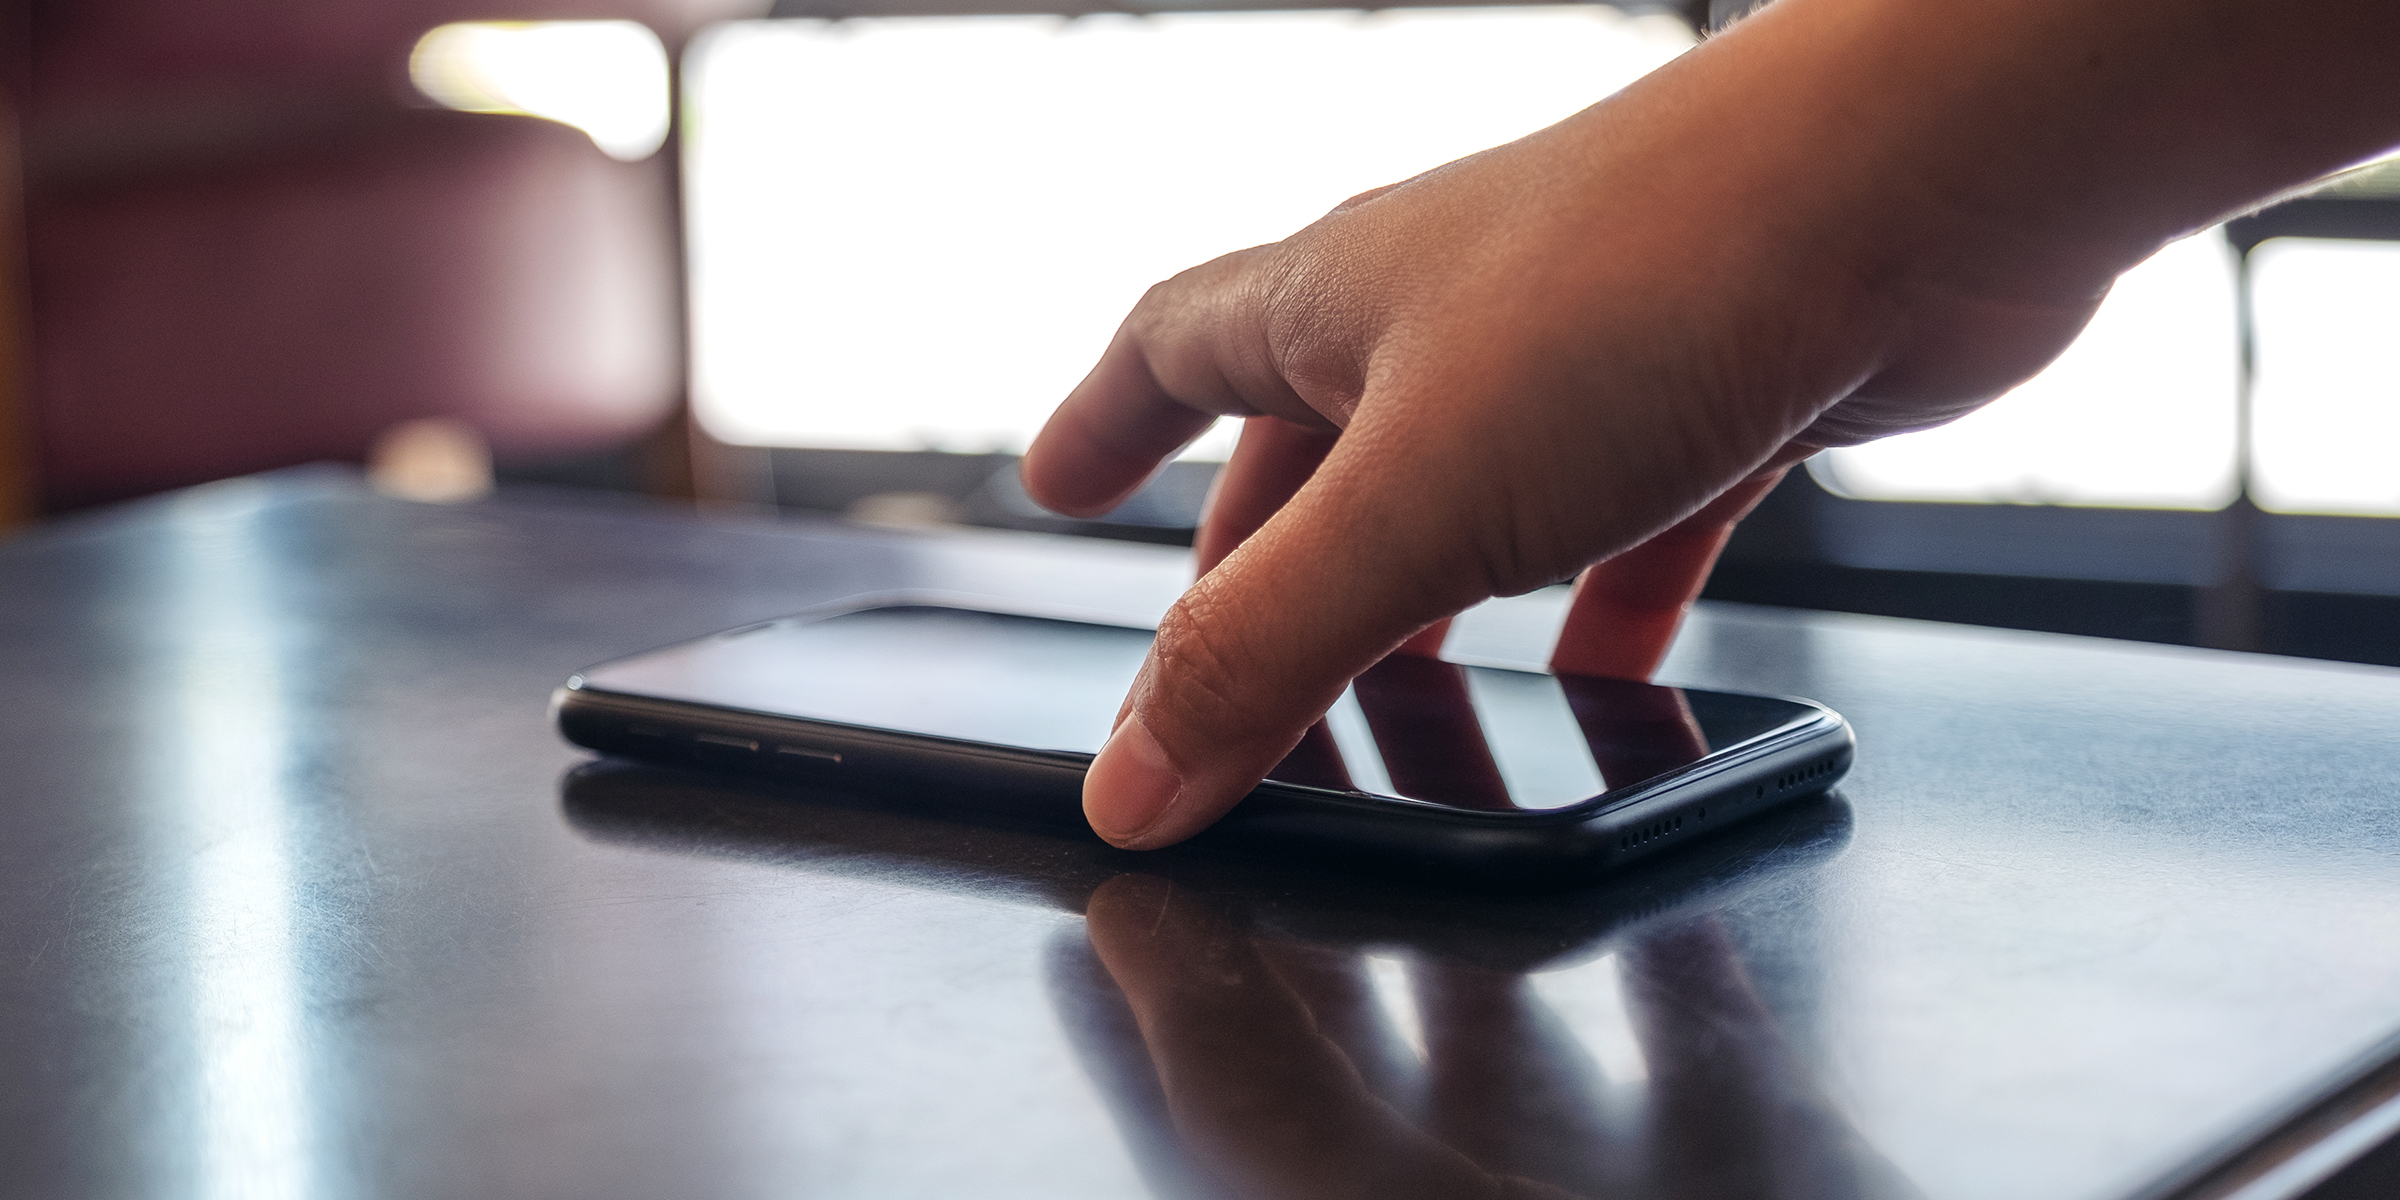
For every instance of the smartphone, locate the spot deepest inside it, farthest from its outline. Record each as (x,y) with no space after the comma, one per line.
(1467,771)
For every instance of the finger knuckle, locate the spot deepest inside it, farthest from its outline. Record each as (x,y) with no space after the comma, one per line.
(1196,688)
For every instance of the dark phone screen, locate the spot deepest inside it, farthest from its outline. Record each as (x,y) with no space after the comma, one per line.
(1465,737)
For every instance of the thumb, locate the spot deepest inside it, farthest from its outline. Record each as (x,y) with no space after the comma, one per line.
(1361,558)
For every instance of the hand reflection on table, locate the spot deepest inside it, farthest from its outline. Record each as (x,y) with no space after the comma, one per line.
(1277,1074)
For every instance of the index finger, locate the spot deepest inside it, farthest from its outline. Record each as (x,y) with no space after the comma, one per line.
(1361,558)
(1111,434)
(1191,351)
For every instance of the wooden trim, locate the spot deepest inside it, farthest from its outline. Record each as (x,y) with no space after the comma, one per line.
(681,461)
(20,492)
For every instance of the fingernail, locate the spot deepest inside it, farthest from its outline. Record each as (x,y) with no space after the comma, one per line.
(1130,786)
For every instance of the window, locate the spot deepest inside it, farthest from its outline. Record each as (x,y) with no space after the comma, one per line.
(607,78)
(946,297)
(2140,412)
(2326,405)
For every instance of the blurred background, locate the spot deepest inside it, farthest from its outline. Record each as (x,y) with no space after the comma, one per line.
(843,258)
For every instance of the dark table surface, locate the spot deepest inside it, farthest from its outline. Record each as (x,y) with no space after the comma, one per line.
(299,896)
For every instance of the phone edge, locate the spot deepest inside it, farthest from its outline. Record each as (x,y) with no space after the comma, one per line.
(1578,843)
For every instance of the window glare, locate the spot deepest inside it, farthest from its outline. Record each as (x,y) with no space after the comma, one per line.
(2326,402)
(920,233)
(606,78)
(2138,413)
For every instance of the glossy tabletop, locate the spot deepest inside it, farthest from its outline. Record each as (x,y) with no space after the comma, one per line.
(300,897)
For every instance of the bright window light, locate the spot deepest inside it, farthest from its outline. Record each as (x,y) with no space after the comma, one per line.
(606,78)
(919,233)
(2138,413)
(2325,412)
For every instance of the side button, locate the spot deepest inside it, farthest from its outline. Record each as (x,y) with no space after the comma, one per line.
(808,753)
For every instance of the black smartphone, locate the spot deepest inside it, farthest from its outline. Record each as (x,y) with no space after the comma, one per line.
(1467,771)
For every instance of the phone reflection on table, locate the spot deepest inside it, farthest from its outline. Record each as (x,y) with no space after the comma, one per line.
(1262,1031)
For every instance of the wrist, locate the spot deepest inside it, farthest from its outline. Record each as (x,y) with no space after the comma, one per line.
(1951,189)
(2031,150)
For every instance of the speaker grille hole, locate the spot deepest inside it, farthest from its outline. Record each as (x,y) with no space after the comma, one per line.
(1653,831)
(1793,779)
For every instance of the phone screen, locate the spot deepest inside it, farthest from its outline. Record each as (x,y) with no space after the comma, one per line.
(1460,736)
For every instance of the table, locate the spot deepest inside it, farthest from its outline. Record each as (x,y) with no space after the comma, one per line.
(299,896)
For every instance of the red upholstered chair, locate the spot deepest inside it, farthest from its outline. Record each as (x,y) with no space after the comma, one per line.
(248,246)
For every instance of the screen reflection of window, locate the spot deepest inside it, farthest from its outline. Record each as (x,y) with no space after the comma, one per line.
(1433,745)
(1636,731)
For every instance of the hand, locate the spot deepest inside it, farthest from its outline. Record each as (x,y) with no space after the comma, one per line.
(1601,343)
(1625,610)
